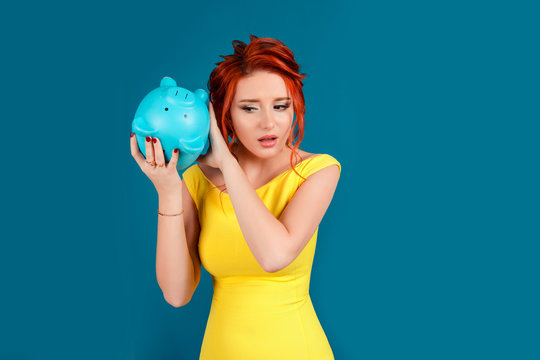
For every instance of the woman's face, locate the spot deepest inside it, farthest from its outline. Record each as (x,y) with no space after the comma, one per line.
(262,106)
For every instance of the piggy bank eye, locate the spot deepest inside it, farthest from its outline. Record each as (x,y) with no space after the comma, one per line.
(166,109)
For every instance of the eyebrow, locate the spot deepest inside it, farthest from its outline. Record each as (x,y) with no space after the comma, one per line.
(257,100)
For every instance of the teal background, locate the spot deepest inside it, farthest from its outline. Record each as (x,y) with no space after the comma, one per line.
(429,249)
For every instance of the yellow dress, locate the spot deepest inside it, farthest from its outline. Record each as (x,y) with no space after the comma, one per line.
(256,315)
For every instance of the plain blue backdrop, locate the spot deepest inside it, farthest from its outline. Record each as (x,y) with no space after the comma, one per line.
(429,249)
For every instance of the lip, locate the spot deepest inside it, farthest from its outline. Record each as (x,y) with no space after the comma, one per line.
(268,143)
(268,137)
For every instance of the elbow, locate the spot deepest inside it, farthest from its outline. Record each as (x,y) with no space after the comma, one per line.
(282,258)
(276,264)
(279,257)
(271,269)
(177,302)
(177,298)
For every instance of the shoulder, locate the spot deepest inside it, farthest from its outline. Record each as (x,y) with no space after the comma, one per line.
(210,173)
(304,155)
(197,175)
(192,172)
(317,163)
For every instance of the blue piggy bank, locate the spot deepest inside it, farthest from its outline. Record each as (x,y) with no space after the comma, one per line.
(178,117)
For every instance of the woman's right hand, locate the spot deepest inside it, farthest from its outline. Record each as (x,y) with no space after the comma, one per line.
(163,175)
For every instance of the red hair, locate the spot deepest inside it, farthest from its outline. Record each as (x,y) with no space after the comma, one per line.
(261,54)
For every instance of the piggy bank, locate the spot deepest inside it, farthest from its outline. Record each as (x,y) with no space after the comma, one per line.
(178,117)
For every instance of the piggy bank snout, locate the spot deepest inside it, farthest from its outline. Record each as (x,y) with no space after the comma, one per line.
(180,97)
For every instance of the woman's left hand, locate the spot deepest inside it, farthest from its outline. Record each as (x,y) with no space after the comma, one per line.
(218,150)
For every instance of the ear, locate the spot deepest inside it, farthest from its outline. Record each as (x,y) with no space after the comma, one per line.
(167,81)
(202,95)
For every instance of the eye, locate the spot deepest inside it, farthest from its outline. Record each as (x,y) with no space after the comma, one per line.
(247,108)
(166,109)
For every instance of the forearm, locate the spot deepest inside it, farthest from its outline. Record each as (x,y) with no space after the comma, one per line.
(174,267)
(265,235)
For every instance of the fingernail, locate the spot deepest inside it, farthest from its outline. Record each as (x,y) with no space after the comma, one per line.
(131,135)
(175,150)
(148,139)
(155,140)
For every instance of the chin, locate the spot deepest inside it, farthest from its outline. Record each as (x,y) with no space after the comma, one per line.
(262,152)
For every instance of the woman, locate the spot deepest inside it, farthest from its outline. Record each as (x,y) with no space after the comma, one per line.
(256,236)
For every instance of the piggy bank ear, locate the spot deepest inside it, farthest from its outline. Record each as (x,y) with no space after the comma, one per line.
(167,81)
(202,95)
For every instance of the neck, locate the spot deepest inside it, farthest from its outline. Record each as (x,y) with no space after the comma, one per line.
(248,160)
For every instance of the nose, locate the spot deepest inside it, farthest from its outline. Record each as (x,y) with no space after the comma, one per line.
(267,120)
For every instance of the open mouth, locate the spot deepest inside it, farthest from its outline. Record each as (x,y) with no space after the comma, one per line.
(268,142)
